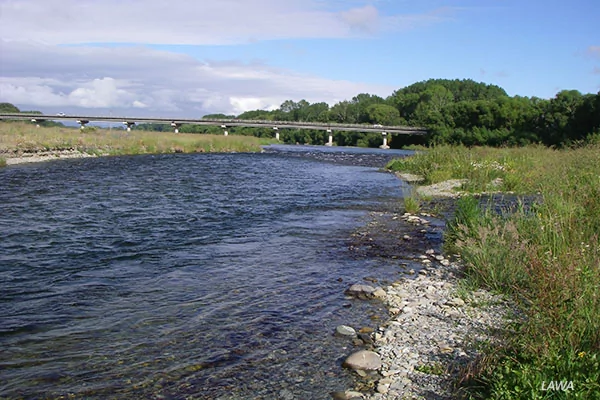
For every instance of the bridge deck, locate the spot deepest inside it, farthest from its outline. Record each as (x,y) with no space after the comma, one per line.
(406,130)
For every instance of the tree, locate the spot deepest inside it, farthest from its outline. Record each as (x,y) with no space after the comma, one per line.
(361,103)
(8,108)
(383,114)
(344,112)
(218,116)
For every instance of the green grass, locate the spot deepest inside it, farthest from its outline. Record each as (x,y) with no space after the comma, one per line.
(545,258)
(435,368)
(16,138)
(412,203)
(519,168)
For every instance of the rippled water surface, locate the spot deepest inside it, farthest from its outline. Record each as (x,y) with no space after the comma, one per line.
(173,276)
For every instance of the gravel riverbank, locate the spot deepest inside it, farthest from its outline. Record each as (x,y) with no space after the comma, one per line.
(41,156)
(435,328)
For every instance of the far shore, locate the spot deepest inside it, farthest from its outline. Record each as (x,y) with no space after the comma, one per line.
(46,156)
(24,143)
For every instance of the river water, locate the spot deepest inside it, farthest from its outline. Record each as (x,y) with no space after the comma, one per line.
(211,276)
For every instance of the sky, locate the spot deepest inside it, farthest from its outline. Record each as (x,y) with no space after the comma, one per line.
(188,58)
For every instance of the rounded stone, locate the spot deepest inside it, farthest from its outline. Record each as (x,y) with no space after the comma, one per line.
(360,290)
(383,388)
(344,330)
(363,360)
(456,302)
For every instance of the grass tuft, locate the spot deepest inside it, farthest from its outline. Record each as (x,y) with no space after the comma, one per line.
(412,203)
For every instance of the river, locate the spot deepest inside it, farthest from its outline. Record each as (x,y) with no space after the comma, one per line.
(217,276)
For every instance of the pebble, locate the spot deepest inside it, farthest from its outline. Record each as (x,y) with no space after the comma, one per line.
(383,388)
(344,330)
(456,302)
(445,348)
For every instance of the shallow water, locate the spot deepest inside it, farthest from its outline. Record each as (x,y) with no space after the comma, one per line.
(208,275)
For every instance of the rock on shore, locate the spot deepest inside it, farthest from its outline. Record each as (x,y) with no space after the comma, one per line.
(364,360)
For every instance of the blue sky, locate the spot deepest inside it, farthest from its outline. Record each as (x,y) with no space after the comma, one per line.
(133,57)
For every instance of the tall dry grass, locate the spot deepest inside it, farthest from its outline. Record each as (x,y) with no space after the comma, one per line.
(18,138)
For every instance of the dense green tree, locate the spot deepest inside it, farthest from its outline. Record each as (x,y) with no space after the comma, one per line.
(361,104)
(344,112)
(383,114)
(8,108)
(218,116)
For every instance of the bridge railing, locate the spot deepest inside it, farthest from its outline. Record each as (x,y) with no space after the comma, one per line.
(84,119)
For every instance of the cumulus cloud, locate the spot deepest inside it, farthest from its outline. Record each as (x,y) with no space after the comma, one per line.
(140,79)
(64,53)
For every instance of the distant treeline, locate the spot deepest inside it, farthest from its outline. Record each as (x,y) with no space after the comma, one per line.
(12,109)
(454,111)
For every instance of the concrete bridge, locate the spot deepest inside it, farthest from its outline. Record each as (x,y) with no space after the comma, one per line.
(225,124)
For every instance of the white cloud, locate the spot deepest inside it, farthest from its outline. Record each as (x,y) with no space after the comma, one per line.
(364,19)
(139,79)
(48,59)
(138,104)
(199,22)
(99,93)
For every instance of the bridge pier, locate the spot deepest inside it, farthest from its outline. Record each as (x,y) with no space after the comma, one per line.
(175,126)
(330,142)
(128,124)
(276,129)
(384,145)
(83,123)
(225,133)
(37,122)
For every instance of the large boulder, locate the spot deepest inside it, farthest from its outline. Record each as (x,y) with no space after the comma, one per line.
(363,360)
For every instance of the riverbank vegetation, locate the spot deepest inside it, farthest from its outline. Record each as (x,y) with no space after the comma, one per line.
(544,255)
(461,112)
(18,138)
(454,111)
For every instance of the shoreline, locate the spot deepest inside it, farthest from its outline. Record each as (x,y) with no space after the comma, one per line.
(436,329)
(43,156)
